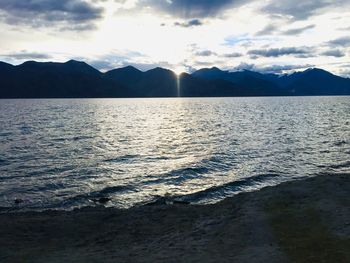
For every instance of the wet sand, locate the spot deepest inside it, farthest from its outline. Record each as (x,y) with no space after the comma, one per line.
(301,221)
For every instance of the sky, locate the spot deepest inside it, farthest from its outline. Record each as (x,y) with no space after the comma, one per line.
(269,36)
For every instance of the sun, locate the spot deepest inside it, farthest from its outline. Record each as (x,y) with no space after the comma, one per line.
(178,70)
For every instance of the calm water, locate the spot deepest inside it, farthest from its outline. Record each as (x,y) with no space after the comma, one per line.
(67,153)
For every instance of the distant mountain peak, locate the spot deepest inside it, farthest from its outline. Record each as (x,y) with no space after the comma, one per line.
(81,66)
(159,70)
(73,61)
(215,68)
(212,72)
(131,68)
(29,62)
(4,64)
(317,71)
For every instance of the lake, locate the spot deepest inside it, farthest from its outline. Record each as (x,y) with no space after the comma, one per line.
(67,153)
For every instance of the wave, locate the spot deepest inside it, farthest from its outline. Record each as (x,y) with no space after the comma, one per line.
(103,194)
(5,134)
(340,165)
(228,187)
(203,167)
(340,143)
(111,190)
(4,162)
(75,138)
(179,175)
(214,192)
(122,158)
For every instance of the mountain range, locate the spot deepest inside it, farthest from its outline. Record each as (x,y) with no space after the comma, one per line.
(75,79)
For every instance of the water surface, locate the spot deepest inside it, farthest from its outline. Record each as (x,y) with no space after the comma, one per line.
(68,153)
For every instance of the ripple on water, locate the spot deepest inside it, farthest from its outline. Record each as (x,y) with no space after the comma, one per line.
(61,153)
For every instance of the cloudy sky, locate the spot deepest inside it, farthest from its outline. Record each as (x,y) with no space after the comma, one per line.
(183,35)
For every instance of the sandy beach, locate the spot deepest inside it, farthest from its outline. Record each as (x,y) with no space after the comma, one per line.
(301,221)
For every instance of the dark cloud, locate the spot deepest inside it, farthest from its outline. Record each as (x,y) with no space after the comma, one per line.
(190,8)
(25,55)
(333,53)
(297,31)
(268,30)
(205,53)
(272,29)
(301,10)
(191,23)
(67,14)
(277,52)
(342,41)
(232,55)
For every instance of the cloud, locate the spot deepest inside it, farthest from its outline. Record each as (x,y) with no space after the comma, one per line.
(333,53)
(272,29)
(344,28)
(148,65)
(277,52)
(300,10)
(342,41)
(274,69)
(70,14)
(244,66)
(191,23)
(190,8)
(106,65)
(268,30)
(279,69)
(25,55)
(345,73)
(297,31)
(114,59)
(205,53)
(232,55)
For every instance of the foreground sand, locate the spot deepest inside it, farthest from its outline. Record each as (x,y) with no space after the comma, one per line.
(301,221)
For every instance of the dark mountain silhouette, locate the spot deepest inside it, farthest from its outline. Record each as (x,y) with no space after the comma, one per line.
(253,83)
(312,81)
(124,75)
(157,82)
(197,87)
(316,82)
(55,80)
(161,82)
(75,79)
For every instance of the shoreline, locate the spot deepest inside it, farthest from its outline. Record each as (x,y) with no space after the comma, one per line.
(305,220)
